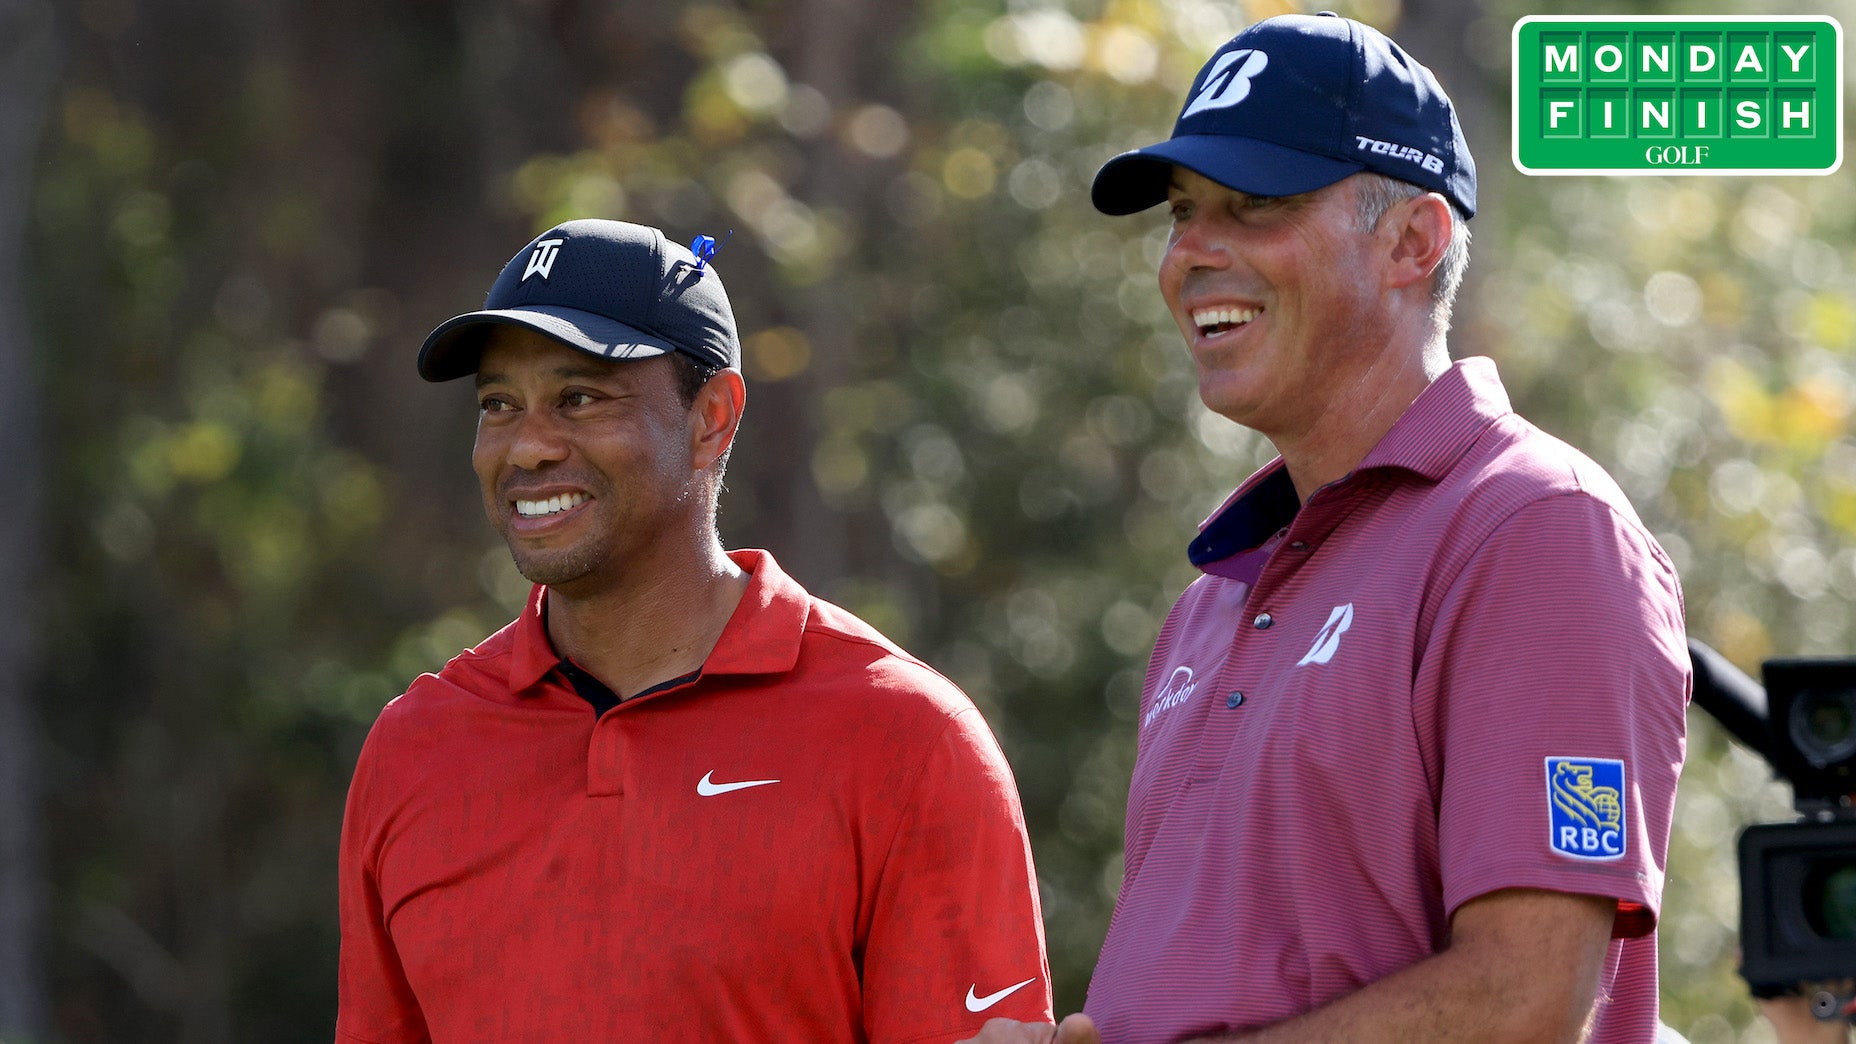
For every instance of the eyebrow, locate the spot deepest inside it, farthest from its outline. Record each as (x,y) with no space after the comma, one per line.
(565,372)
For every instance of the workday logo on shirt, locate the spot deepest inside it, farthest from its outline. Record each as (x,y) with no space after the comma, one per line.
(1585,807)
(1177,690)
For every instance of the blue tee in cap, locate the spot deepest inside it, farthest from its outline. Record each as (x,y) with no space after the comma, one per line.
(1298,102)
(608,288)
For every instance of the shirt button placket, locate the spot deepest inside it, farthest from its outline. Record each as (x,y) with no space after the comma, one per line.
(1235,698)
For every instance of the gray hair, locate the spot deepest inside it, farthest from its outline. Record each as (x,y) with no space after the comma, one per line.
(1376,195)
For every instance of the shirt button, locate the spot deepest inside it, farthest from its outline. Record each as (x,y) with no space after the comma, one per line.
(1299,545)
(1263,621)
(1234,699)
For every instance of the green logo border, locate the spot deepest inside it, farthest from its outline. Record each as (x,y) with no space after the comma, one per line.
(1539,84)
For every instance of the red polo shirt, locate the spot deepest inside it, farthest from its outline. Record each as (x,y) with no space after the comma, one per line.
(1459,669)
(815,838)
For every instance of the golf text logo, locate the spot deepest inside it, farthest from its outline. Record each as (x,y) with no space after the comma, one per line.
(543,258)
(1226,86)
(1713,95)
(1585,807)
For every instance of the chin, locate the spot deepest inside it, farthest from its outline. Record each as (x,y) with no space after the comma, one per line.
(1233,404)
(555,568)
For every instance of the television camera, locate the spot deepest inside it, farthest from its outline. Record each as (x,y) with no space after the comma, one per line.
(1797,880)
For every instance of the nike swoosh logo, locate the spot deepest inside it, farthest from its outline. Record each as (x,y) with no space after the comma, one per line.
(707,787)
(979,1004)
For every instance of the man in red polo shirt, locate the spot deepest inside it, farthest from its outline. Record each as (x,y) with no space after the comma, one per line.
(1408,749)
(678,798)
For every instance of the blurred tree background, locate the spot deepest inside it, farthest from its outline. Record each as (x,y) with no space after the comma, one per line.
(240,523)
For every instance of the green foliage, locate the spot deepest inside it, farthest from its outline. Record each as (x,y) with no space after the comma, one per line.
(214,548)
(1695,335)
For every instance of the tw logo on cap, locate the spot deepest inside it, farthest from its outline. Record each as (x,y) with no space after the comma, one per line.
(542,260)
(1228,82)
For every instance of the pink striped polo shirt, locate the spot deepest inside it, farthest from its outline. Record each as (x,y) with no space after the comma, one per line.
(1461,668)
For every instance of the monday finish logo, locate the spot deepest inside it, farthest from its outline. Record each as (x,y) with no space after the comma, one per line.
(1657,95)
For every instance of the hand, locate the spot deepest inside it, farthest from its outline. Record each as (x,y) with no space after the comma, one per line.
(1076,1029)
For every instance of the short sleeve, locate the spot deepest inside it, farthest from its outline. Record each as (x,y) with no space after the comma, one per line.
(375,1002)
(956,937)
(1558,678)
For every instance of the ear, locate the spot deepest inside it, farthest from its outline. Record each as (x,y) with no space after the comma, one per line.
(1422,227)
(714,417)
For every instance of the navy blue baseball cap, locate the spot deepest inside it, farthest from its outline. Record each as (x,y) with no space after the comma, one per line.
(609,288)
(1297,102)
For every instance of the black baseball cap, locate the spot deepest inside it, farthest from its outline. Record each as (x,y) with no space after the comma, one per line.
(1298,102)
(609,288)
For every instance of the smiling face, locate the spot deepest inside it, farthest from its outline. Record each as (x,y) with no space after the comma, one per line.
(591,470)
(1282,300)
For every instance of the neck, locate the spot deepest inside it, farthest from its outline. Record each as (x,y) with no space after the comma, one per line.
(1359,415)
(649,629)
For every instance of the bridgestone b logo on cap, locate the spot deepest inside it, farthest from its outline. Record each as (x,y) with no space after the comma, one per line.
(1715,95)
(1228,82)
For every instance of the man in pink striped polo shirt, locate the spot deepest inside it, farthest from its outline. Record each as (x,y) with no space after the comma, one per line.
(1408,749)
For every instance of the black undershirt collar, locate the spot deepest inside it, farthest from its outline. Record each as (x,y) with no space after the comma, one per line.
(603,699)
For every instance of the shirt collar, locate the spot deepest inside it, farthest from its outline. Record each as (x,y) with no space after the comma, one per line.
(1262,505)
(1428,438)
(762,636)
(532,655)
(1443,421)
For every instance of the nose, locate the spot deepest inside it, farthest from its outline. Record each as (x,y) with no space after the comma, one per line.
(536,438)
(1193,244)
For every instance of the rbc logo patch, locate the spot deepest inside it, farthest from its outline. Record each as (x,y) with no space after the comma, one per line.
(1585,807)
